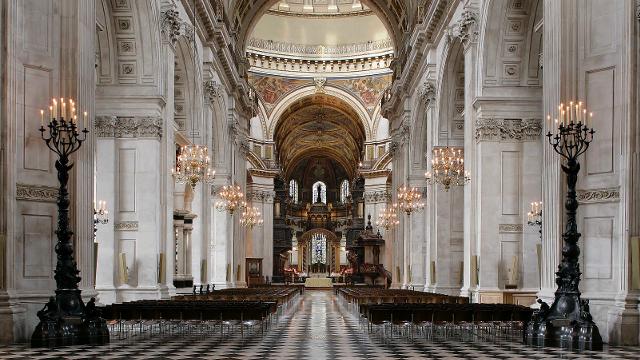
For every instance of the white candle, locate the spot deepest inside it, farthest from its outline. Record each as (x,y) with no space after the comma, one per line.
(55,108)
(42,118)
(50,112)
(84,120)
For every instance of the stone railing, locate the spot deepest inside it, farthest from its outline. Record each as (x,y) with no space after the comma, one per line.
(272,63)
(348,50)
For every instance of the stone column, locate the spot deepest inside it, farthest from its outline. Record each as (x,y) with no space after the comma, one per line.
(220,241)
(466,31)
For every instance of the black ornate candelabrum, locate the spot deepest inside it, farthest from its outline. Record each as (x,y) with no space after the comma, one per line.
(65,319)
(568,322)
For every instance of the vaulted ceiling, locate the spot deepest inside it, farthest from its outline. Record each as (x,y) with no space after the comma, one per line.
(319,126)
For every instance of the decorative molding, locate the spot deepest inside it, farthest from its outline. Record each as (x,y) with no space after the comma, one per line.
(212,90)
(36,193)
(126,226)
(598,195)
(510,228)
(262,196)
(285,48)
(465,29)
(376,196)
(427,92)
(319,82)
(128,127)
(170,25)
(508,129)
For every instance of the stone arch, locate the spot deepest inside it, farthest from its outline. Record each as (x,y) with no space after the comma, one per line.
(510,37)
(127,42)
(188,88)
(284,104)
(306,236)
(220,134)
(450,94)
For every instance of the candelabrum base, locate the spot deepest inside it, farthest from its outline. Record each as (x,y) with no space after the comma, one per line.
(66,320)
(567,324)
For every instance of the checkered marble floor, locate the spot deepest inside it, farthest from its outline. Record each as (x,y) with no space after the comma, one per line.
(321,328)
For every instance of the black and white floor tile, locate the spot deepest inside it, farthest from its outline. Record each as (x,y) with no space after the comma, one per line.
(321,329)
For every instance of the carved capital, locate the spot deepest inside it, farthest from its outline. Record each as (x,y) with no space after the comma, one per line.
(377,196)
(128,127)
(170,26)
(262,196)
(36,193)
(598,195)
(212,90)
(427,92)
(466,28)
(508,129)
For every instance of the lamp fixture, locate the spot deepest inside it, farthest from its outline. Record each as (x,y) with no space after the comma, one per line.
(232,199)
(409,200)
(447,164)
(251,217)
(388,217)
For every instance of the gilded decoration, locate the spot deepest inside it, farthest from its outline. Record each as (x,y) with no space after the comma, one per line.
(368,89)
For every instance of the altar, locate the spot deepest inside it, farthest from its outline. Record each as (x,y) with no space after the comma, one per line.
(317,282)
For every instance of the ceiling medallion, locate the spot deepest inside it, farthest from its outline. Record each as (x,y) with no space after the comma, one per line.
(447,165)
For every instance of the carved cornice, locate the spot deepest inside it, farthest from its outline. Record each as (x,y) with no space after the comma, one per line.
(126,226)
(128,127)
(598,195)
(212,90)
(466,28)
(427,92)
(370,174)
(170,25)
(377,196)
(261,196)
(510,228)
(36,193)
(508,129)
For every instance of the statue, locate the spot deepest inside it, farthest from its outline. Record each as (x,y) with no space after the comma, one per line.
(319,197)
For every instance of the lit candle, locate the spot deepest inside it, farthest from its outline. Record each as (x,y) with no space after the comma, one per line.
(50,112)
(42,118)
(84,120)
(590,119)
(55,108)
(64,112)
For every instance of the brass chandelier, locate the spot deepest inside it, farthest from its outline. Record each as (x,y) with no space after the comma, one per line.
(192,166)
(447,164)
(388,217)
(409,200)
(251,217)
(232,199)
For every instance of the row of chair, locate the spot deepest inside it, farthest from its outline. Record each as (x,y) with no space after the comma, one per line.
(202,314)
(466,321)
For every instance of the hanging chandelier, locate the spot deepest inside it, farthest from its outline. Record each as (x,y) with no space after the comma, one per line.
(409,200)
(251,217)
(388,218)
(232,199)
(192,166)
(447,165)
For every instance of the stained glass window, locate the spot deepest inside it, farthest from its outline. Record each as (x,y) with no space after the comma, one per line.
(319,186)
(293,190)
(344,191)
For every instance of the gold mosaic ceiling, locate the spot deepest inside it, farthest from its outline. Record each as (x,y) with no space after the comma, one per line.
(319,126)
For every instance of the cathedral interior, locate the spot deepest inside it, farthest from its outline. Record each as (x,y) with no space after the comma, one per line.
(291,178)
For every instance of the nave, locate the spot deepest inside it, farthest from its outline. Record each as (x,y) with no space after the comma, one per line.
(321,326)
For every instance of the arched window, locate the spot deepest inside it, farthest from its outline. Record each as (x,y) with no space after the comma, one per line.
(293,191)
(319,249)
(319,188)
(344,191)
